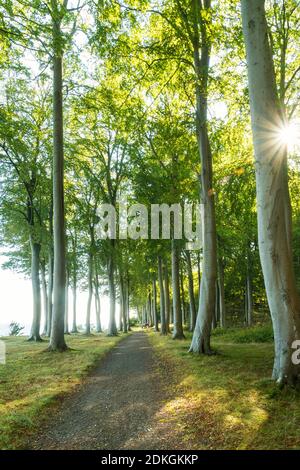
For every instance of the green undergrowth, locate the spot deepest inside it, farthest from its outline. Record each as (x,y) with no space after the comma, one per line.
(254,334)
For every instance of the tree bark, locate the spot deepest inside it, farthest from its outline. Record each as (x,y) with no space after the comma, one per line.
(50,292)
(112,328)
(154,300)
(74,319)
(67,305)
(123,309)
(222,309)
(97,301)
(177,312)
(127,302)
(90,294)
(163,327)
(201,337)
(149,307)
(57,340)
(273,201)
(36,290)
(249,301)
(74,284)
(167,296)
(45,296)
(191,291)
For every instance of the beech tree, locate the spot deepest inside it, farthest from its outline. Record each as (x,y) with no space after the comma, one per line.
(273,200)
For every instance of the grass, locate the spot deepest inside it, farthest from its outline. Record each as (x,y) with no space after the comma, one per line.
(228,401)
(255,334)
(33,380)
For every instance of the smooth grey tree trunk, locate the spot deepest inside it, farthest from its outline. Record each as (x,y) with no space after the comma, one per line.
(149,308)
(177,312)
(127,302)
(36,290)
(90,294)
(221,291)
(112,328)
(97,301)
(199,270)
(249,300)
(154,300)
(50,292)
(121,311)
(45,296)
(67,305)
(57,339)
(74,309)
(191,291)
(248,293)
(201,337)
(167,296)
(123,305)
(273,201)
(163,327)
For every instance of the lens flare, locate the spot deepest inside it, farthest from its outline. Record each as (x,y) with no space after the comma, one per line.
(290,135)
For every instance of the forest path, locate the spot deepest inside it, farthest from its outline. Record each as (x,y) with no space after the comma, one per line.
(119,406)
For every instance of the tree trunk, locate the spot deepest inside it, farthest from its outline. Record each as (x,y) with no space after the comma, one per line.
(216,312)
(90,295)
(50,292)
(74,319)
(163,327)
(57,340)
(199,270)
(222,310)
(249,301)
(112,328)
(123,310)
(181,292)
(177,312)
(149,307)
(273,202)
(127,303)
(191,291)
(45,296)
(167,296)
(97,302)
(67,305)
(36,290)
(154,300)
(201,337)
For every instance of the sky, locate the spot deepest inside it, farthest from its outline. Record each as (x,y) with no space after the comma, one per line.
(16,302)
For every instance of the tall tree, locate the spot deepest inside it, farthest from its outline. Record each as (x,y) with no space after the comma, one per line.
(273,200)
(57,339)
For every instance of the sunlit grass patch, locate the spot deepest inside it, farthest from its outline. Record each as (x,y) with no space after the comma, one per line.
(228,401)
(32,380)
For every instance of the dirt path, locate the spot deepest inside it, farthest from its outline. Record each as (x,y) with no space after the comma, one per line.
(118,407)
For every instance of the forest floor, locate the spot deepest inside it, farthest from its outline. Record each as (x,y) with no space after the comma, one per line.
(119,406)
(34,382)
(227,401)
(147,392)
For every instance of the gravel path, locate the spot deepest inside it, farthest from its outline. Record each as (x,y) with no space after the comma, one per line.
(118,407)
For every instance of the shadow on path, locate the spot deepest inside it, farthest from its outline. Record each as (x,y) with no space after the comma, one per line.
(116,406)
